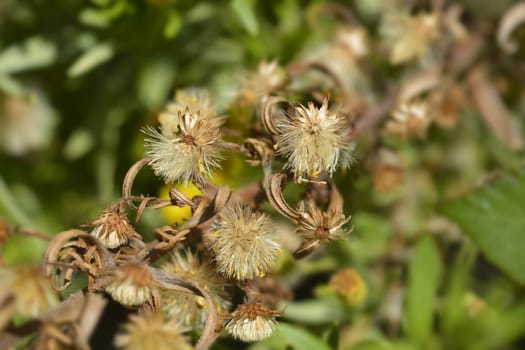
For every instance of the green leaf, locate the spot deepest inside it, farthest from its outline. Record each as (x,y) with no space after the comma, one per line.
(246,12)
(493,218)
(423,281)
(91,59)
(292,337)
(173,25)
(316,311)
(35,52)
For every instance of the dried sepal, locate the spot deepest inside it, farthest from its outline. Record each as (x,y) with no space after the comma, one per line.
(512,18)
(112,228)
(273,187)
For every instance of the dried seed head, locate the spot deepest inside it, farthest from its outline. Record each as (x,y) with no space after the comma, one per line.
(313,140)
(317,225)
(252,322)
(266,79)
(186,151)
(355,40)
(112,228)
(150,331)
(410,36)
(132,285)
(410,119)
(188,310)
(349,285)
(388,172)
(33,292)
(197,101)
(244,243)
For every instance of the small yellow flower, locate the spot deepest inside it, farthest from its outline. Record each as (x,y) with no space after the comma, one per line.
(252,322)
(349,285)
(244,243)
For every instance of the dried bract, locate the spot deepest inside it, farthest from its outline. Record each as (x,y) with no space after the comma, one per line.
(317,225)
(194,99)
(244,243)
(112,228)
(186,153)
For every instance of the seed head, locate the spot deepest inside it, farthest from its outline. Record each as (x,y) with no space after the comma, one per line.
(252,322)
(112,228)
(185,152)
(150,331)
(32,291)
(410,36)
(313,140)
(194,99)
(317,225)
(244,243)
(188,310)
(261,83)
(132,285)
(410,119)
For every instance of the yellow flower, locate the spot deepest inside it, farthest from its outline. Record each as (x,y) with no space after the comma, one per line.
(349,285)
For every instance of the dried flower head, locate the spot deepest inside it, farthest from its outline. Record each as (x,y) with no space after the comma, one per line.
(244,243)
(410,119)
(410,36)
(349,285)
(265,80)
(132,284)
(150,331)
(252,322)
(317,225)
(388,172)
(189,310)
(194,99)
(187,152)
(354,40)
(313,140)
(112,228)
(32,291)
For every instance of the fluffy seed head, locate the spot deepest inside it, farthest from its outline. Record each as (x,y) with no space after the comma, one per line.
(316,224)
(409,119)
(132,285)
(188,310)
(244,243)
(410,36)
(187,152)
(32,291)
(252,322)
(261,83)
(194,99)
(112,228)
(150,331)
(313,140)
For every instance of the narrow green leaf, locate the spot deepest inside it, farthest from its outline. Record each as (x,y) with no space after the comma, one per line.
(299,339)
(35,52)
(173,25)
(316,311)
(91,59)
(245,9)
(423,280)
(493,218)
